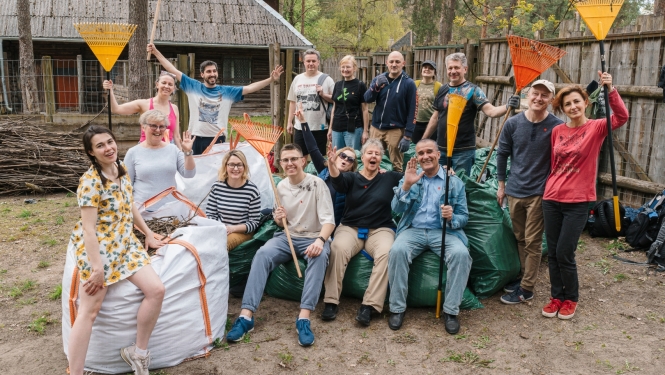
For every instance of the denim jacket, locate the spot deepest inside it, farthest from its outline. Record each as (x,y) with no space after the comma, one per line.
(409,204)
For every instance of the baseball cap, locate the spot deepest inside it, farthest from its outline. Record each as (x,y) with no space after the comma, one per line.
(429,62)
(546,83)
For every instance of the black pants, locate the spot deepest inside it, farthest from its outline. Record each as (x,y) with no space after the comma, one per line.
(201,143)
(419,130)
(321,137)
(564,223)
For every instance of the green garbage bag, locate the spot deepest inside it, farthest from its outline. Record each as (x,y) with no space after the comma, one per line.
(423,284)
(284,282)
(544,246)
(411,153)
(491,240)
(481,155)
(309,168)
(356,277)
(240,258)
(385,162)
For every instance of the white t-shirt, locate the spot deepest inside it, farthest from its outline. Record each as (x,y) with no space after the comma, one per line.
(303,90)
(209,107)
(308,206)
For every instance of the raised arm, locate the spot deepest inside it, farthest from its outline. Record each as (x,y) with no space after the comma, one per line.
(256,86)
(310,141)
(165,62)
(130,108)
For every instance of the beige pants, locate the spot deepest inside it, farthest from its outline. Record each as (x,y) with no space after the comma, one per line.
(528,226)
(234,240)
(344,247)
(390,139)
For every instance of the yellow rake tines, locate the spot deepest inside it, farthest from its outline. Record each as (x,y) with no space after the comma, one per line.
(456,104)
(106,40)
(261,136)
(599,15)
(531,58)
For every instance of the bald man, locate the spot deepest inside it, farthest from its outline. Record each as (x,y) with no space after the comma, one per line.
(394,117)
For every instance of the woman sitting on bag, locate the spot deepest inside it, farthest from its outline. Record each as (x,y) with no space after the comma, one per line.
(235,200)
(165,86)
(570,187)
(107,251)
(153,163)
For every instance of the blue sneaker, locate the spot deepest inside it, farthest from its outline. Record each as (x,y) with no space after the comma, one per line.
(518,296)
(305,334)
(240,327)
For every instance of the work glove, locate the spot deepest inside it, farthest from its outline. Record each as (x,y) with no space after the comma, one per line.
(513,102)
(404,145)
(380,82)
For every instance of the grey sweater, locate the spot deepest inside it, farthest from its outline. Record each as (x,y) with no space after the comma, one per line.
(153,170)
(529,147)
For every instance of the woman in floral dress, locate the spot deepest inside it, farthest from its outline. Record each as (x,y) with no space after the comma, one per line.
(107,251)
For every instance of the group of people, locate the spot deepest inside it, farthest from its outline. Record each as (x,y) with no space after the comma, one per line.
(334,215)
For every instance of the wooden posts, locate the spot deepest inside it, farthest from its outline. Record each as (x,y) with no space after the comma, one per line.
(183,103)
(49,88)
(80,83)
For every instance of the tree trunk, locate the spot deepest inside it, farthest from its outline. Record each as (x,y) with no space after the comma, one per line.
(139,84)
(659,7)
(446,24)
(27,57)
(509,14)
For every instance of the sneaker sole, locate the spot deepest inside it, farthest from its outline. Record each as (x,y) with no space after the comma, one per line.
(328,318)
(550,315)
(507,302)
(301,344)
(124,358)
(566,317)
(241,337)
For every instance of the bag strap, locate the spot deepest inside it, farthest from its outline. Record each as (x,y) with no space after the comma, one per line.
(214,141)
(177,195)
(320,81)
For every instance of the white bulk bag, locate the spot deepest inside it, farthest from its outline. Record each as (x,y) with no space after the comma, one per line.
(207,168)
(195,271)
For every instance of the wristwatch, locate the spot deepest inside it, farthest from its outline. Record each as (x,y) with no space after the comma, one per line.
(187,153)
(322,239)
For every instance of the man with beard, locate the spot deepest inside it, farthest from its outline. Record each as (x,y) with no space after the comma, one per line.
(210,103)
(420,199)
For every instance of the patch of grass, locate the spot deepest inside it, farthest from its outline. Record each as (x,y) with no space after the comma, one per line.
(59,220)
(69,195)
(229,324)
(603,265)
(25,214)
(39,324)
(482,342)
(365,358)
(578,345)
(460,337)
(43,264)
(619,277)
(286,357)
(66,204)
(56,293)
(219,344)
(364,334)
(581,246)
(28,301)
(37,221)
(468,358)
(405,338)
(247,338)
(2,272)
(23,228)
(391,362)
(627,368)
(18,290)
(6,210)
(50,242)
(615,245)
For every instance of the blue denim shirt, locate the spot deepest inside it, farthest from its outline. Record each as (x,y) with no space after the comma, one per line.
(410,204)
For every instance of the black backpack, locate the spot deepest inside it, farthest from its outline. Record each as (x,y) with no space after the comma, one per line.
(327,107)
(601,220)
(642,232)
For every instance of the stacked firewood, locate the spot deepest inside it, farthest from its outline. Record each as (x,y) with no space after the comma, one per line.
(162,226)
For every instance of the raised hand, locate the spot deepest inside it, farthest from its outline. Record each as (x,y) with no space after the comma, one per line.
(276,73)
(411,175)
(299,113)
(187,141)
(107,85)
(605,79)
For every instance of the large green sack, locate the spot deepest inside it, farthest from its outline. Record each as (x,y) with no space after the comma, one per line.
(240,258)
(356,277)
(385,162)
(284,282)
(423,284)
(411,153)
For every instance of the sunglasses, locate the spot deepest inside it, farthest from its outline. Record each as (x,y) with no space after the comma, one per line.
(346,157)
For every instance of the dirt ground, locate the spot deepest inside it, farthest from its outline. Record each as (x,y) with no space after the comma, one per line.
(619,326)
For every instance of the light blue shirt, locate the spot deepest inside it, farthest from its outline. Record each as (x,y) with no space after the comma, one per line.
(428,215)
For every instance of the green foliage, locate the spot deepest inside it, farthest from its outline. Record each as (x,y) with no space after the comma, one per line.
(56,293)
(39,324)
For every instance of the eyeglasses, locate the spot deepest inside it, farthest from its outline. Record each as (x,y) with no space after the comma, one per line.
(155,126)
(346,157)
(233,166)
(292,160)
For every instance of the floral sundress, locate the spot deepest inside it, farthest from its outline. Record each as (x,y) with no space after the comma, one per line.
(121,252)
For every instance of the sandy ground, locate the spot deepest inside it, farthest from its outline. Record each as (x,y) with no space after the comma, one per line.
(619,326)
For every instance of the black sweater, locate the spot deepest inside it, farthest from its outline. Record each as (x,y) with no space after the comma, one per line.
(367,201)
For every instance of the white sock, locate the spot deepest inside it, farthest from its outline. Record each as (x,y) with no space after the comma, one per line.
(246,317)
(140,352)
(299,318)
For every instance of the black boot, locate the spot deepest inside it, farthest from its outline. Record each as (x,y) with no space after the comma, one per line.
(395,320)
(451,323)
(364,315)
(329,312)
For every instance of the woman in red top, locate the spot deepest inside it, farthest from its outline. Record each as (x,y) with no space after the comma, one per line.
(570,186)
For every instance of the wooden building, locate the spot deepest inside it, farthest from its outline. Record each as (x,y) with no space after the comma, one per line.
(234,33)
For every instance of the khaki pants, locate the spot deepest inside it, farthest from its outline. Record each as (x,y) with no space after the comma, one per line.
(344,247)
(528,226)
(234,240)
(390,139)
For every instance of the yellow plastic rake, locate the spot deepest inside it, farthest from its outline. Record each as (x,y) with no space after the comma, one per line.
(456,104)
(263,138)
(599,15)
(106,40)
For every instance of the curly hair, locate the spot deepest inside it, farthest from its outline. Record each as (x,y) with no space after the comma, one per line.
(557,103)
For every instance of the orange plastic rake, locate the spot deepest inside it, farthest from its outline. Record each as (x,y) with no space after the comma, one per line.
(263,138)
(530,59)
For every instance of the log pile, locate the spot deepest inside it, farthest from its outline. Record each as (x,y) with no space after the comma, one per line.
(34,159)
(163,226)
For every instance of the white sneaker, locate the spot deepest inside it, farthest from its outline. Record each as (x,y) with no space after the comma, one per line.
(139,364)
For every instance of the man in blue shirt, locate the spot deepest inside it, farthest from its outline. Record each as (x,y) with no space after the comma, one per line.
(210,103)
(420,196)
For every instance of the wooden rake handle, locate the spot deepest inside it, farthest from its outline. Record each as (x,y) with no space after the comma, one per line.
(154,26)
(496,140)
(286,227)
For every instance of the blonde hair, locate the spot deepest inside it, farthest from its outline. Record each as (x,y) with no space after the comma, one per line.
(223,175)
(354,166)
(349,59)
(152,116)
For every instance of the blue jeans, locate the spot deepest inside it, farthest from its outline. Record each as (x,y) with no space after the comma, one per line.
(412,242)
(347,139)
(275,252)
(461,160)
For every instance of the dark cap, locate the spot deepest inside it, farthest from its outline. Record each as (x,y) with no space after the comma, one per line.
(430,63)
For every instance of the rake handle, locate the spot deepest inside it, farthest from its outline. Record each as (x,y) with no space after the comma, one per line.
(442,259)
(154,26)
(610,143)
(496,140)
(108,101)
(286,227)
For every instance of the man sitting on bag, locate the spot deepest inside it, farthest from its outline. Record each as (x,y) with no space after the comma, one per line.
(420,198)
(308,209)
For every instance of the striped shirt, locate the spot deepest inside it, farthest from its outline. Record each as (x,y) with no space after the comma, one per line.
(233,206)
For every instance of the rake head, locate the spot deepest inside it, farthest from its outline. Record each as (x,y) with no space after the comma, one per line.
(531,58)
(456,104)
(261,136)
(599,15)
(106,40)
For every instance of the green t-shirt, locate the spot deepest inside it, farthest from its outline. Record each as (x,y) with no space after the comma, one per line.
(426,97)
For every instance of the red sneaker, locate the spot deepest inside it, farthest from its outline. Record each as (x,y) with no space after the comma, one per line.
(567,309)
(551,309)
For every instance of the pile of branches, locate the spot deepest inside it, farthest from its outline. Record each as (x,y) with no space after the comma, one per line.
(34,159)
(163,226)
